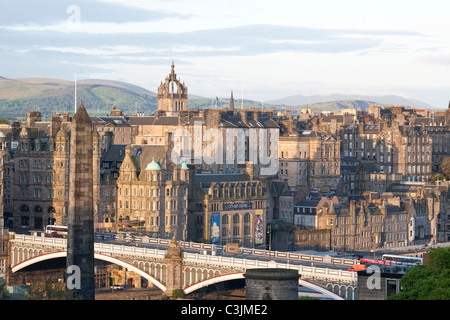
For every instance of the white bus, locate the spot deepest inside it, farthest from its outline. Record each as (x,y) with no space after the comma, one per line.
(56,231)
(405,260)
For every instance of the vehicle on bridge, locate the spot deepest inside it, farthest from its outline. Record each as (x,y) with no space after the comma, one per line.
(387,260)
(357,267)
(401,260)
(56,231)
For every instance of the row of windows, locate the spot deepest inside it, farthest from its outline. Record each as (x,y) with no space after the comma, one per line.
(236,218)
(37,177)
(154,192)
(23,163)
(114,129)
(37,193)
(152,177)
(152,205)
(236,231)
(170,220)
(150,192)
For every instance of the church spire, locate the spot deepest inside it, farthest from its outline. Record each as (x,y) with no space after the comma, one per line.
(231,101)
(172,71)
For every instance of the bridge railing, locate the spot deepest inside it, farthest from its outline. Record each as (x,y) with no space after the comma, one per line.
(252,251)
(293,257)
(232,262)
(307,271)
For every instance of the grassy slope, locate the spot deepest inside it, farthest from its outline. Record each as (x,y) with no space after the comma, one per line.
(53,95)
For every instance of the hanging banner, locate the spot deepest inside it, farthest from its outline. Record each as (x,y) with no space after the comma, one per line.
(215,228)
(259,227)
(237,206)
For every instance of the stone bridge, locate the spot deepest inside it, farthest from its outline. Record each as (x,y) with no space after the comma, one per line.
(198,270)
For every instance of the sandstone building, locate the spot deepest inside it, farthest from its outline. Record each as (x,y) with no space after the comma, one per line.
(228,208)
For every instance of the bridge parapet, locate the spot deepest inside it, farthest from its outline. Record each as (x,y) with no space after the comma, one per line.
(238,264)
(138,254)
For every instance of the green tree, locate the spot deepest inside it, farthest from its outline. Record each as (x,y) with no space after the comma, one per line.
(427,282)
(49,290)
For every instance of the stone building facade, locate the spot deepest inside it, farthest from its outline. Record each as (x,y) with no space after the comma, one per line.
(152,194)
(309,158)
(114,128)
(387,152)
(36,172)
(228,209)
(396,219)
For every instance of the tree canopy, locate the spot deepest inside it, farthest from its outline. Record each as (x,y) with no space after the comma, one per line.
(427,282)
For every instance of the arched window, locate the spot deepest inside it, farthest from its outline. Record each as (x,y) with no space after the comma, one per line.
(225,219)
(24,208)
(37,209)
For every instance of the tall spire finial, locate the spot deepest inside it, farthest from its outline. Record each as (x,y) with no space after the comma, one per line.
(173,67)
(231,101)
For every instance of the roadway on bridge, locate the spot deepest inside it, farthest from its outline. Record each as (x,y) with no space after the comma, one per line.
(228,254)
(272,255)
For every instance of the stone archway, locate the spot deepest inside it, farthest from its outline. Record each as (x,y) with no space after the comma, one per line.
(98,256)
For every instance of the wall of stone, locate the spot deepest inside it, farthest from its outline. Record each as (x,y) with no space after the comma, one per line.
(271,284)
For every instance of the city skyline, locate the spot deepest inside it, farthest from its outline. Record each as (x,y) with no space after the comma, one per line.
(262,50)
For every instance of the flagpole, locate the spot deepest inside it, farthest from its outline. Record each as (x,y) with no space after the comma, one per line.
(242,98)
(75,107)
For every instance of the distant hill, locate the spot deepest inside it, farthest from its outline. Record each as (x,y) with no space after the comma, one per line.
(333,106)
(17,96)
(301,100)
(117,84)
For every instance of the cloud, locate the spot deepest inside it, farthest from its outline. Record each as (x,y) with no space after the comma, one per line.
(235,41)
(49,12)
(45,49)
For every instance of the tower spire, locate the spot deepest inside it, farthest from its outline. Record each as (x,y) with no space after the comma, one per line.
(173,68)
(231,101)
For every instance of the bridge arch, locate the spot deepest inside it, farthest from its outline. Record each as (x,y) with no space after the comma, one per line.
(98,256)
(194,274)
(240,275)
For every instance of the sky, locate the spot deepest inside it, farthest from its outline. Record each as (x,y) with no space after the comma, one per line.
(261,50)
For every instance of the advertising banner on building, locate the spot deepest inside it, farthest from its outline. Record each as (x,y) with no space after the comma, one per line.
(237,206)
(259,227)
(215,228)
